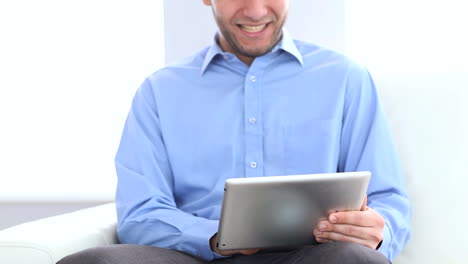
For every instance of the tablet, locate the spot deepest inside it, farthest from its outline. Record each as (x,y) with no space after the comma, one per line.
(282,211)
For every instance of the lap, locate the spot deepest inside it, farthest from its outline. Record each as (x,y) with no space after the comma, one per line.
(329,253)
(129,254)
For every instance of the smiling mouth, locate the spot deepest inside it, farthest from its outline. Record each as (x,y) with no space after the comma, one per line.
(253,29)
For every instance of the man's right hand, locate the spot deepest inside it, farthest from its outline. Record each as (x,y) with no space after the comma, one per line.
(229,252)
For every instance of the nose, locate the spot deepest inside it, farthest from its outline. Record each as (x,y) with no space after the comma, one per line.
(255,9)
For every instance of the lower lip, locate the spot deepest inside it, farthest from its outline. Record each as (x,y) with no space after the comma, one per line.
(255,34)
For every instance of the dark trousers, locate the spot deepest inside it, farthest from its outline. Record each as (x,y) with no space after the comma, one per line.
(330,253)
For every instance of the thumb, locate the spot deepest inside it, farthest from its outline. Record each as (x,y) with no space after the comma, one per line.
(364,204)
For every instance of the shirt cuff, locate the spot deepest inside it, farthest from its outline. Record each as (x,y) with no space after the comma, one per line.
(200,233)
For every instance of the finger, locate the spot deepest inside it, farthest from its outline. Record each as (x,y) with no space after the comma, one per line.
(322,225)
(358,218)
(343,238)
(360,232)
(323,240)
(226,252)
(318,237)
(235,252)
(248,251)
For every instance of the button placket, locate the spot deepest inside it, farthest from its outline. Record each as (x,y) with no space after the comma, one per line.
(253,129)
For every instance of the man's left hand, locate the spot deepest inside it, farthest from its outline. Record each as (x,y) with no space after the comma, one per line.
(364,227)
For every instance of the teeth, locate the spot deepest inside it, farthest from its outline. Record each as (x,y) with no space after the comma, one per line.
(253,29)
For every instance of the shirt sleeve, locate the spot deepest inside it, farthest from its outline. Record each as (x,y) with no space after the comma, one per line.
(146,207)
(366,144)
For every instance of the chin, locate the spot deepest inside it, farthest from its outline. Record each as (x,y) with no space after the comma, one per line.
(256,52)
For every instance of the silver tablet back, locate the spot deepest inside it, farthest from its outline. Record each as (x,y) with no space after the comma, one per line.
(282,211)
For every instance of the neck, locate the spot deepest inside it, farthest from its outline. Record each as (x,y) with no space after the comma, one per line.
(227,48)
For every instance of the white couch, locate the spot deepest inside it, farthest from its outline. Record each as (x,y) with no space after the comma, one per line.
(429,121)
(48,240)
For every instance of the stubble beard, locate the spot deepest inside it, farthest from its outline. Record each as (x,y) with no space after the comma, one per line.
(254,52)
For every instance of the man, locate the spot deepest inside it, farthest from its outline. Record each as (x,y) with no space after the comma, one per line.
(254,103)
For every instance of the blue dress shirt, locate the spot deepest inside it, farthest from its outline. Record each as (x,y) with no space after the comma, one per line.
(298,109)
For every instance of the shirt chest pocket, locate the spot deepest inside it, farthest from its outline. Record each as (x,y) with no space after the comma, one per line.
(312,146)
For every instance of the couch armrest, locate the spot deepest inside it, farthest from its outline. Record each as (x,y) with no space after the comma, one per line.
(47,240)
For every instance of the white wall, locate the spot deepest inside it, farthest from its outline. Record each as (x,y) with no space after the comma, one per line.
(68,72)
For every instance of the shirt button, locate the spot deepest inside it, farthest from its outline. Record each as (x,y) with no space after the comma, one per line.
(226,57)
(253,78)
(253,164)
(252,120)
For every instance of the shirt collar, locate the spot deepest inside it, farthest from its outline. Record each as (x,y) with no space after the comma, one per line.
(214,50)
(286,44)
